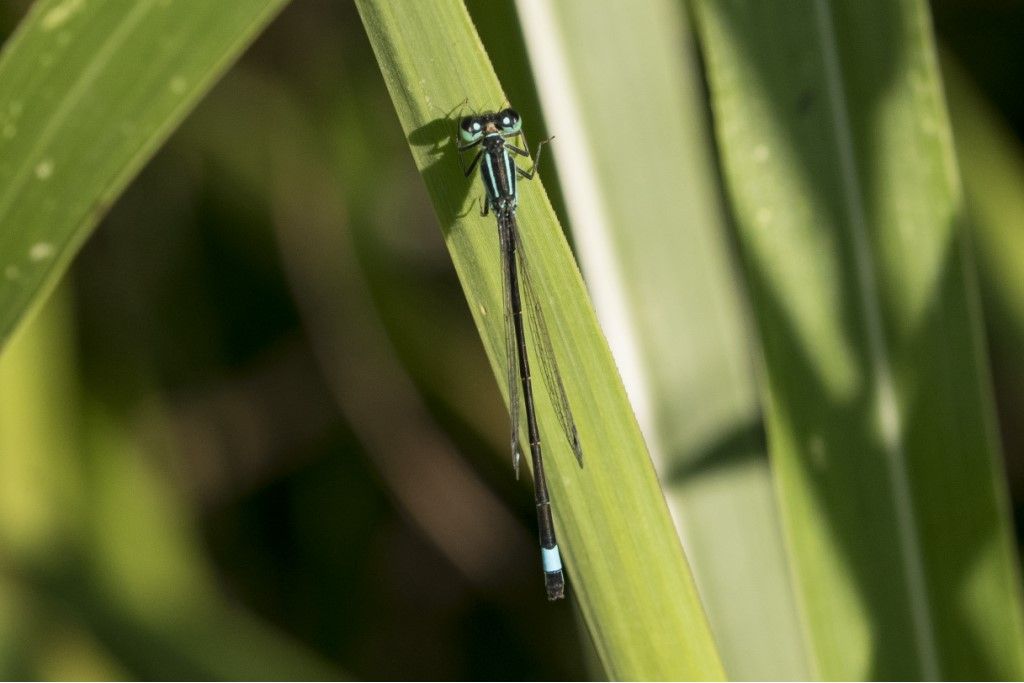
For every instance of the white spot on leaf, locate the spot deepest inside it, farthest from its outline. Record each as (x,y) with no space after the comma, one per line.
(12,272)
(179,85)
(761,154)
(44,169)
(40,251)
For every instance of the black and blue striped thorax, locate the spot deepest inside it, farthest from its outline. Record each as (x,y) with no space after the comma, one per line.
(493,134)
(498,171)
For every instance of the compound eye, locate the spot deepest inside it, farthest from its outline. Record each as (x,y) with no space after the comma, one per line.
(509,121)
(470,129)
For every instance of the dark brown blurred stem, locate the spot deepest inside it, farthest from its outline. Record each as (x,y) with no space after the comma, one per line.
(415,459)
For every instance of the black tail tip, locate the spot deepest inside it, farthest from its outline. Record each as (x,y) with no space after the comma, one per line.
(554,582)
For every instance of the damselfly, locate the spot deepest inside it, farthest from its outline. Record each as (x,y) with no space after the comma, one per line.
(493,133)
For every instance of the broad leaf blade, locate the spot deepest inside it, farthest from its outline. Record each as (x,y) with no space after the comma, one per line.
(622,91)
(88,90)
(625,564)
(837,154)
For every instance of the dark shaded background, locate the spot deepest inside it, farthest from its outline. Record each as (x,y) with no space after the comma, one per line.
(275,284)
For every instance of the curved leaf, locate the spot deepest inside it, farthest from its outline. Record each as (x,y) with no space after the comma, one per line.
(88,90)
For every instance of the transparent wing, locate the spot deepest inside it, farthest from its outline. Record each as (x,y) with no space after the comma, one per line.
(506,230)
(548,362)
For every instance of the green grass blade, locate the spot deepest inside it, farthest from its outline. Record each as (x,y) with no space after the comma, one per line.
(651,232)
(626,566)
(88,91)
(837,153)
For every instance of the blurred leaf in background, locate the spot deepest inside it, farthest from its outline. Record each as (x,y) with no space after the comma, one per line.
(988,124)
(838,156)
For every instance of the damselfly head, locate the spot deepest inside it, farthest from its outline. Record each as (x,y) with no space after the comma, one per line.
(506,122)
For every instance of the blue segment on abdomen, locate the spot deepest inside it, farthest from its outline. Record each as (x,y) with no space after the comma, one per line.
(552,559)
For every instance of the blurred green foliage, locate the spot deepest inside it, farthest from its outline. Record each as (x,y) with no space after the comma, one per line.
(228,443)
